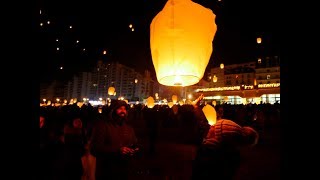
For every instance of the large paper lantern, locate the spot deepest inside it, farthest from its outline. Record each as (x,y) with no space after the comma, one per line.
(181,36)
(210,114)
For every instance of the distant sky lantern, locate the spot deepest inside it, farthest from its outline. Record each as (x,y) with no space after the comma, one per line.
(181,38)
(215,78)
(170,104)
(132,29)
(221,66)
(174,99)
(130,25)
(259,40)
(77,41)
(48,22)
(57,40)
(41,24)
(136,81)
(70,27)
(150,102)
(210,114)
(104,52)
(111,91)
(61,67)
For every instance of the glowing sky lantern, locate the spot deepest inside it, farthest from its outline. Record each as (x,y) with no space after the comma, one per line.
(174,99)
(215,78)
(259,40)
(150,102)
(111,90)
(210,114)
(170,104)
(221,66)
(181,36)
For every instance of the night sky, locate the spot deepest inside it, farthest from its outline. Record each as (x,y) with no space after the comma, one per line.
(104,25)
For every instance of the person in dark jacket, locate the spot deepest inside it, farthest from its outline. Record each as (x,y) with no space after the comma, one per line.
(113,143)
(218,155)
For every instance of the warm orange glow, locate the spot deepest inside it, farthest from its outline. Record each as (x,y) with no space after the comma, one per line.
(174,99)
(181,38)
(215,78)
(111,91)
(210,114)
(104,52)
(170,104)
(221,66)
(255,82)
(259,40)
(150,102)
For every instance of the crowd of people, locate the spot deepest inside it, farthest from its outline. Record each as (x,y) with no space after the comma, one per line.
(100,142)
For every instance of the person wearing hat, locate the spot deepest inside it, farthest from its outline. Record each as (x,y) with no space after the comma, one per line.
(219,155)
(112,143)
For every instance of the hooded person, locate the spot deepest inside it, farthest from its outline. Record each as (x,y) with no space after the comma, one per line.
(112,143)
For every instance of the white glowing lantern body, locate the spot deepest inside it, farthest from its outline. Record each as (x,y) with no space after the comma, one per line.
(259,40)
(221,66)
(210,114)
(181,38)
(111,91)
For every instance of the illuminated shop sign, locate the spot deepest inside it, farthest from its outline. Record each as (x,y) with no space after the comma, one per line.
(232,88)
(272,85)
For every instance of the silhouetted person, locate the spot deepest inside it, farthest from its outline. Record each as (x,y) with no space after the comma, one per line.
(218,156)
(112,143)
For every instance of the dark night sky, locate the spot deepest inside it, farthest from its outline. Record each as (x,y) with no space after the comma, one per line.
(104,25)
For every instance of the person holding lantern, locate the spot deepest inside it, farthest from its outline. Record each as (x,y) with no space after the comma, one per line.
(113,143)
(218,154)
